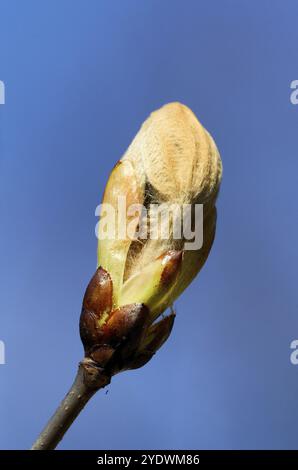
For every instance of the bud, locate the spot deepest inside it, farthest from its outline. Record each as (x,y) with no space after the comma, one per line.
(172,161)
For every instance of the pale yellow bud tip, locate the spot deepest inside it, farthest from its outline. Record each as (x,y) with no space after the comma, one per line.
(172,160)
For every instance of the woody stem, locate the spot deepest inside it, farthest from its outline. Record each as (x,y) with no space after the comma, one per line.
(88,381)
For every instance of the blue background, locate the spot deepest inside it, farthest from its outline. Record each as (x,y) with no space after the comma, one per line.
(80,79)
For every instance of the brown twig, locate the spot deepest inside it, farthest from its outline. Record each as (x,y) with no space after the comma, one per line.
(88,381)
